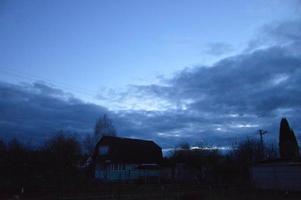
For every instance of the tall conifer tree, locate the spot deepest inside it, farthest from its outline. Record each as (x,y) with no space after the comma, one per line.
(288,145)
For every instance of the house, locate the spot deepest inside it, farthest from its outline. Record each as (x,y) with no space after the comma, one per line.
(277,175)
(119,159)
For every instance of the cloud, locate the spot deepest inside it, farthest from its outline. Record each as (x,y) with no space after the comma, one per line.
(234,97)
(215,104)
(36,111)
(218,49)
(280,33)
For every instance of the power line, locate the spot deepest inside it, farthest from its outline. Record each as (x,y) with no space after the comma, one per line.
(34,78)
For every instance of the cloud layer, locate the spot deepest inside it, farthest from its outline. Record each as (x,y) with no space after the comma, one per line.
(35,111)
(216,104)
(234,97)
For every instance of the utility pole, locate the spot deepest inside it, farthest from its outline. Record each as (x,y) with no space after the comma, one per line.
(262,132)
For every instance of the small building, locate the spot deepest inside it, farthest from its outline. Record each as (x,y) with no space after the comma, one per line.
(123,160)
(277,175)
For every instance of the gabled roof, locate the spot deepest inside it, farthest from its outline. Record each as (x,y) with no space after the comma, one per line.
(127,150)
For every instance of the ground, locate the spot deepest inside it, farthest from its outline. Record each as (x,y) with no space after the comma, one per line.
(166,192)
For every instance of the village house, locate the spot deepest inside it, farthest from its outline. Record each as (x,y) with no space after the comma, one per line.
(119,159)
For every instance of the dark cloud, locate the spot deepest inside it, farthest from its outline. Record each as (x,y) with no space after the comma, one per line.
(234,97)
(37,111)
(34,112)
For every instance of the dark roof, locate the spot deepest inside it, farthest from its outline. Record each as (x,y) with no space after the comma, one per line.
(127,150)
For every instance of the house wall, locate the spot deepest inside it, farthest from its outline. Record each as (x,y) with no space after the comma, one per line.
(277,176)
(123,172)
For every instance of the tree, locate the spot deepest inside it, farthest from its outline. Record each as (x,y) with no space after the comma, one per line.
(262,148)
(247,152)
(3,149)
(104,127)
(16,161)
(88,145)
(63,155)
(65,150)
(243,155)
(288,146)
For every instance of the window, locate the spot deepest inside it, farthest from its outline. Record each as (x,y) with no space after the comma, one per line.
(103,150)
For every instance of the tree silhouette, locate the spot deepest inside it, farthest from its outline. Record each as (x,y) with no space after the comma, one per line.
(104,126)
(87,144)
(63,158)
(288,145)
(261,133)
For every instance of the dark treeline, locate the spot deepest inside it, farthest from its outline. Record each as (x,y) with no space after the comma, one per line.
(213,167)
(57,166)
(61,164)
(53,166)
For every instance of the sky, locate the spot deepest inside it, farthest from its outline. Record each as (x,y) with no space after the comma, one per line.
(209,72)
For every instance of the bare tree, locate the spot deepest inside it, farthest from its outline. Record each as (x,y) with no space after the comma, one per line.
(261,133)
(88,144)
(104,127)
